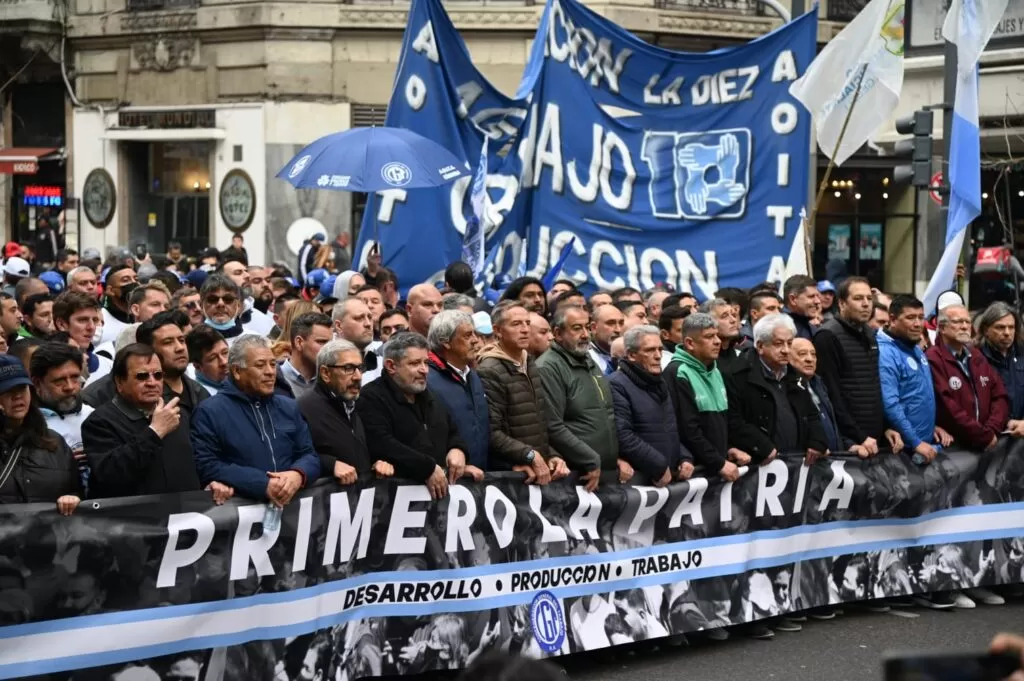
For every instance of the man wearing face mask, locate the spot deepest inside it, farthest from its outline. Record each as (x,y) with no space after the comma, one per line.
(253,321)
(121,280)
(221,299)
(330,410)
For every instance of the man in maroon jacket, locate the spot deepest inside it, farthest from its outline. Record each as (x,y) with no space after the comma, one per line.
(972,403)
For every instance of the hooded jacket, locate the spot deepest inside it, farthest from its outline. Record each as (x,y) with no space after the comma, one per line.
(237,439)
(908,396)
(581,413)
(516,406)
(974,407)
(702,408)
(466,402)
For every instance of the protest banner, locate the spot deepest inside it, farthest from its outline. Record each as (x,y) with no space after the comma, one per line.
(690,169)
(376,578)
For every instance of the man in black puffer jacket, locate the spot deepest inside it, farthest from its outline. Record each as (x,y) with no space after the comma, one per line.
(645,418)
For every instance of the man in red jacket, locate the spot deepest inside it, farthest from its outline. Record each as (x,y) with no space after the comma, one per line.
(972,403)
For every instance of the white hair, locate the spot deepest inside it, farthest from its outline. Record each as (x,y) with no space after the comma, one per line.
(764,330)
(635,336)
(329,352)
(240,348)
(444,326)
(75,272)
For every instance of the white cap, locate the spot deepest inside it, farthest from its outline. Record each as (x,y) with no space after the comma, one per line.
(949,298)
(17,267)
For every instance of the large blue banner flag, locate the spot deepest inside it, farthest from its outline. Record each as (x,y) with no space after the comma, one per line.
(689,169)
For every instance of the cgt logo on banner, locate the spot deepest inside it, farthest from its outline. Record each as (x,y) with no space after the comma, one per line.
(689,169)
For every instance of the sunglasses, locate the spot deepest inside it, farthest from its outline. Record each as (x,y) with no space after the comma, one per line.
(146,375)
(227,300)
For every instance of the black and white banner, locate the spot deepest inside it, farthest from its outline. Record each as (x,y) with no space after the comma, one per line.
(377,579)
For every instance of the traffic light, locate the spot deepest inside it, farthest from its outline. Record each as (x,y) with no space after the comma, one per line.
(918,149)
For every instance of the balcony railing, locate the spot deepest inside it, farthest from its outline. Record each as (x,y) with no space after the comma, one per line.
(152,5)
(745,7)
(844,10)
(27,10)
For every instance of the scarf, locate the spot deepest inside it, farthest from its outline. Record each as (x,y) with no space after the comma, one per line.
(708,386)
(644,379)
(108,305)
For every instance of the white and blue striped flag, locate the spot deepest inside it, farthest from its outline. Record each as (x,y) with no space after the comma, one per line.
(474,240)
(969,24)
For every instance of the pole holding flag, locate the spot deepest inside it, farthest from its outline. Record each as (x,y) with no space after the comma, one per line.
(969,25)
(474,239)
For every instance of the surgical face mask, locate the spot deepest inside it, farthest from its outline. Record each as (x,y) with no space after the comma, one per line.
(97,336)
(226,326)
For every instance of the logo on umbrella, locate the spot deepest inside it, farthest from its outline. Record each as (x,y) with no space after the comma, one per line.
(299,166)
(396,174)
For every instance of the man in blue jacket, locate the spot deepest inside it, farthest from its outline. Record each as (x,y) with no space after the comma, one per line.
(453,348)
(908,394)
(247,437)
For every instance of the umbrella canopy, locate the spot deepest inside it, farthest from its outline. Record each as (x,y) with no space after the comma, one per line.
(373,159)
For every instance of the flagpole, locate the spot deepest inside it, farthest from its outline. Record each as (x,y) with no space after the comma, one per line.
(823,187)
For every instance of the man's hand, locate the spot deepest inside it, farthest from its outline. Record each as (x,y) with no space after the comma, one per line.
(927,451)
(344,473)
(591,480)
(1009,644)
(730,472)
(738,456)
(771,457)
(625,470)
(456,462)
(685,470)
(895,440)
(870,444)
(474,472)
(1016,428)
(67,504)
(559,469)
(860,450)
(437,483)
(166,418)
(288,483)
(383,469)
(942,437)
(541,469)
(665,478)
(221,492)
(527,470)
(813,455)
(991,445)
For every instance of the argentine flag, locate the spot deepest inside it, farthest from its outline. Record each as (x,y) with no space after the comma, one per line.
(969,24)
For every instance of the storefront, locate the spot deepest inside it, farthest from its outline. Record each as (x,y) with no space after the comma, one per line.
(37,187)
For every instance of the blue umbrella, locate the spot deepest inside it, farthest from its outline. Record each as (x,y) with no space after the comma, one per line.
(371,160)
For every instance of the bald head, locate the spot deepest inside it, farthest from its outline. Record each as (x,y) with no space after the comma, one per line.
(803,358)
(423,303)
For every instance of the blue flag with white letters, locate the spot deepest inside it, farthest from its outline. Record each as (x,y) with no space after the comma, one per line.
(688,169)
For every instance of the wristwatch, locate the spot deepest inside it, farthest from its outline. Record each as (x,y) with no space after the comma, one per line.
(530,456)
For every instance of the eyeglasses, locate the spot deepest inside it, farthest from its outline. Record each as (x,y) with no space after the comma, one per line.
(346,369)
(213,299)
(146,375)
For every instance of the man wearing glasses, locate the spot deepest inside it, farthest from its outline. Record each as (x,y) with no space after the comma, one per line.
(330,410)
(221,301)
(134,442)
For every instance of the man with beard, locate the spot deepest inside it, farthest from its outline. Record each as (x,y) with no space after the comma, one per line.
(56,371)
(330,410)
(606,327)
(253,321)
(581,414)
(848,364)
(37,312)
(731,355)
(221,302)
(259,281)
(120,281)
(530,292)
(405,425)
(188,300)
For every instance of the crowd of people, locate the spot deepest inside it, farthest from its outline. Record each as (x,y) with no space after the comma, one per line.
(124,377)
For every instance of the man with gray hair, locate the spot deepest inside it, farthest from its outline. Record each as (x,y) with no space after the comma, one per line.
(251,439)
(454,345)
(406,425)
(457,301)
(769,403)
(734,346)
(581,414)
(334,424)
(353,322)
(644,417)
(83,280)
(999,329)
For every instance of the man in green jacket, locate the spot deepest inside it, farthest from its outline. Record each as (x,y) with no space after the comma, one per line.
(581,413)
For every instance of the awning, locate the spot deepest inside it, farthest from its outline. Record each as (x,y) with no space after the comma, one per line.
(25,160)
(164,134)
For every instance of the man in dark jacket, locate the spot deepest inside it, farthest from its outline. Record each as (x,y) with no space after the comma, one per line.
(248,437)
(773,410)
(134,443)
(971,402)
(644,416)
(330,410)
(699,397)
(802,303)
(581,414)
(848,364)
(1002,344)
(515,399)
(453,346)
(405,425)
(803,359)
